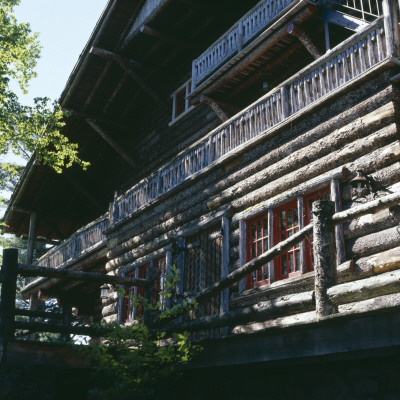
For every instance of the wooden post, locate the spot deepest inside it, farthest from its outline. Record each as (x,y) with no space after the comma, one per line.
(242,251)
(8,291)
(324,255)
(67,319)
(168,265)
(224,307)
(148,294)
(387,8)
(340,245)
(33,301)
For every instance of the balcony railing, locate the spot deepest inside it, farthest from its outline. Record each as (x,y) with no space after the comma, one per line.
(336,69)
(80,243)
(256,20)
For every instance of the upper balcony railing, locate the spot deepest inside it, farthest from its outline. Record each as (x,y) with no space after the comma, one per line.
(340,66)
(257,19)
(80,243)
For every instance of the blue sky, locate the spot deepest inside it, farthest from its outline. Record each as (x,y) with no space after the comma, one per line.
(64,27)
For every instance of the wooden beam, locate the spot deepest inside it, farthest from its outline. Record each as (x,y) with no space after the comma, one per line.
(115,93)
(216,107)
(126,66)
(111,142)
(83,190)
(307,42)
(32,270)
(147,30)
(343,20)
(97,85)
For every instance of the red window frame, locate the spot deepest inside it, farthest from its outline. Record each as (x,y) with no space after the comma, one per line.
(257,242)
(286,223)
(321,194)
(257,238)
(129,313)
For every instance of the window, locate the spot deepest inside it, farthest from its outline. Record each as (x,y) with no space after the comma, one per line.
(256,244)
(129,311)
(285,222)
(180,102)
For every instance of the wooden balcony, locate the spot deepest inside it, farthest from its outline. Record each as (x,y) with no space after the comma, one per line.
(83,242)
(238,37)
(351,61)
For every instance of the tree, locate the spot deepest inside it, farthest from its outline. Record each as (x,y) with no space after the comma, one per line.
(27,129)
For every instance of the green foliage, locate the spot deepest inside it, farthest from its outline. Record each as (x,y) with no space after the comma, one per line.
(27,129)
(134,362)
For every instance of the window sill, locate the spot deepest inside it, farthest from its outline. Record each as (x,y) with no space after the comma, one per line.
(179,117)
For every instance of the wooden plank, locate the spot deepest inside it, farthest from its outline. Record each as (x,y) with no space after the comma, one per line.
(112,142)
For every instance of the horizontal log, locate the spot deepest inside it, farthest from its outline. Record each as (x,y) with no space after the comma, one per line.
(385,261)
(372,161)
(381,303)
(39,314)
(288,286)
(53,328)
(290,304)
(352,154)
(31,270)
(373,243)
(387,283)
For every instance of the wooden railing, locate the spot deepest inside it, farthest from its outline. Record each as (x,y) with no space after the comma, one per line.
(336,69)
(80,243)
(257,19)
(366,10)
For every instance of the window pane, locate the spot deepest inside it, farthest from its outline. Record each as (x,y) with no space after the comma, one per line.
(289,214)
(284,265)
(259,248)
(259,229)
(291,262)
(265,244)
(283,221)
(266,272)
(253,232)
(296,216)
(297,260)
(265,223)
(253,251)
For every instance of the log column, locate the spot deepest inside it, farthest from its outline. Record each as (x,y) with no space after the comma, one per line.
(8,291)
(324,255)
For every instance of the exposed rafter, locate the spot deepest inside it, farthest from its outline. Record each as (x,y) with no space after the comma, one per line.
(218,107)
(83,190)
(147,30)
(344,20)
(111,142)
(307,42)
(126,66)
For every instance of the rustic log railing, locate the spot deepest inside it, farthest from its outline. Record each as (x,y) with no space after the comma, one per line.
(256,20)
(327,293)
(83,241)
(351,59)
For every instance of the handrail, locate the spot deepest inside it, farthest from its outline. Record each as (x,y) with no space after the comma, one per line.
(257,19)
(79,243)
(341,65)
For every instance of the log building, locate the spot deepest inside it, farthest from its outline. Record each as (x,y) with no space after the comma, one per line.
(211,129)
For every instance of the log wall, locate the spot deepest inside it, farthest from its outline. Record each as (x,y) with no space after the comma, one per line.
(355,130)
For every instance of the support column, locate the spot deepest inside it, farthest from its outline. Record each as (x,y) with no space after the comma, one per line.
(324,255)
(33,300)
(148,294)
(8,292)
